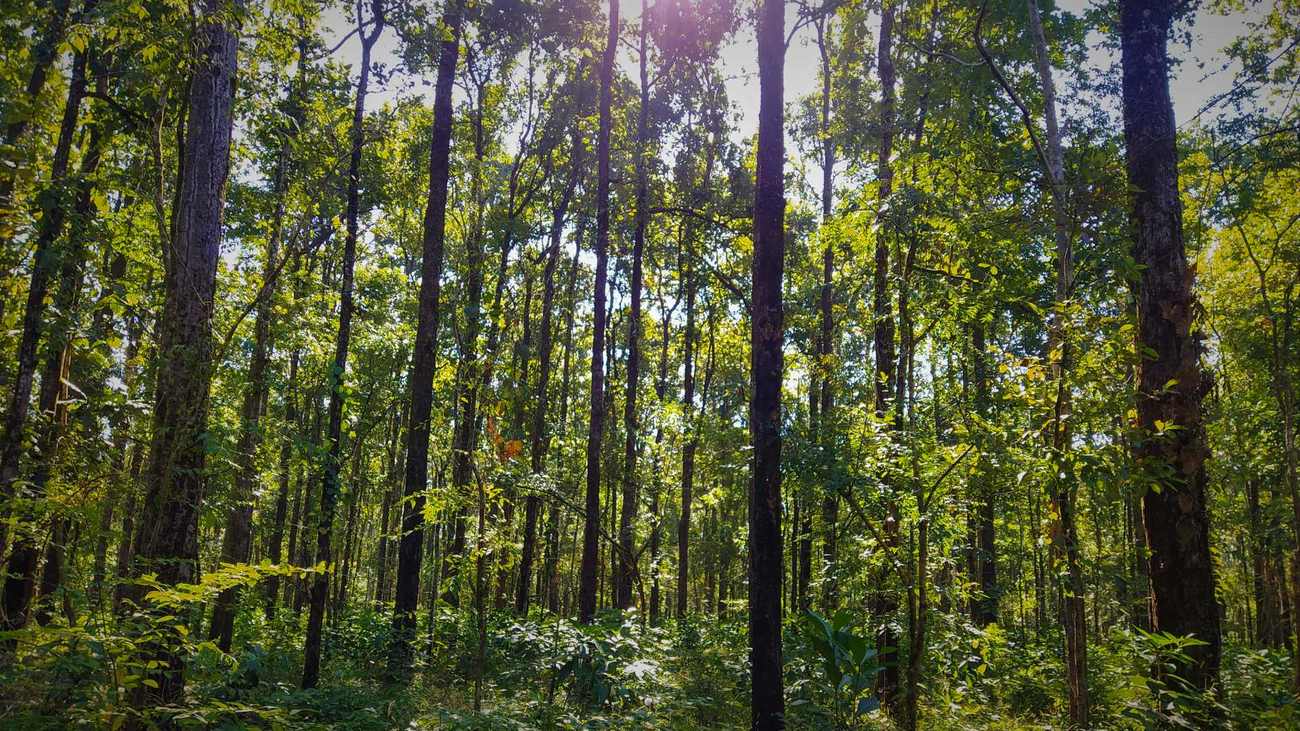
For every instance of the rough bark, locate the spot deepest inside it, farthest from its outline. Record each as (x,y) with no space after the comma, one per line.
(1170,381)
(410,551)
(167,537)
(766,562)
(596,427)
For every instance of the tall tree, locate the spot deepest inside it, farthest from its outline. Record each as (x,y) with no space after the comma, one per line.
(330,482)
(596,427)
(767,337)
(883,330)
(545,346)
(1171,449)
(1074,620)
(237,541)
(166,542)
(410,552)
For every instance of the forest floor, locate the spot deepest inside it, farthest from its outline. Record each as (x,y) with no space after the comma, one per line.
(543,673)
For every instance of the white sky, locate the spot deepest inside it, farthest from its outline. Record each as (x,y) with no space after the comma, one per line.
(1197,79)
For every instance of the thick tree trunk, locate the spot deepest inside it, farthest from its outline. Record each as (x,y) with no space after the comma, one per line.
(167,537)
(330,482)
(410,551)
(1170,383)
(767,337)
(596,427)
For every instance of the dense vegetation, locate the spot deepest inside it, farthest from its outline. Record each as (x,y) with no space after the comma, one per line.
(513,364)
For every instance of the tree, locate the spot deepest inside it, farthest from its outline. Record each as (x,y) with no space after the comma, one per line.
(410,552)
(166,543)
(330,481)
(596,426)
(1170,448)
(767,326)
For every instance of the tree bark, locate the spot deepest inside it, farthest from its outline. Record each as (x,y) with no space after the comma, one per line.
(167,537)
(883,333)
(410,551)
(1172,452)
(596,427)
(330,482)
(767,335)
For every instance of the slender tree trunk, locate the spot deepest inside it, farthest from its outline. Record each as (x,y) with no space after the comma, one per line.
(20,585)
(823,394)
(596,428)
(631,419)
(47,261)
(540,438)
(767,336)
(469,369)
(237,544)
(883,335)
(275,550)
(984,608)
(410,552)
(1170,384)
(1073,619)
(334,435)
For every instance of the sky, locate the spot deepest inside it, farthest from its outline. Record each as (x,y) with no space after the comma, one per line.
(1199,78)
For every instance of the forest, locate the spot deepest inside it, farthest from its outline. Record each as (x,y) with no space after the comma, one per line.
(649,364)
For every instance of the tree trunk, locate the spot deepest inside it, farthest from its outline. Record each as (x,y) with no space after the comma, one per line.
(823,394)
(333,438)
(276,547)
(596,428)
(883,335)
(20,584)
(167,538)
(410,551)
(631,420)
(1170,384)
(1066,540)
(46,261)
(540,438)
(767,336)
(237,543)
